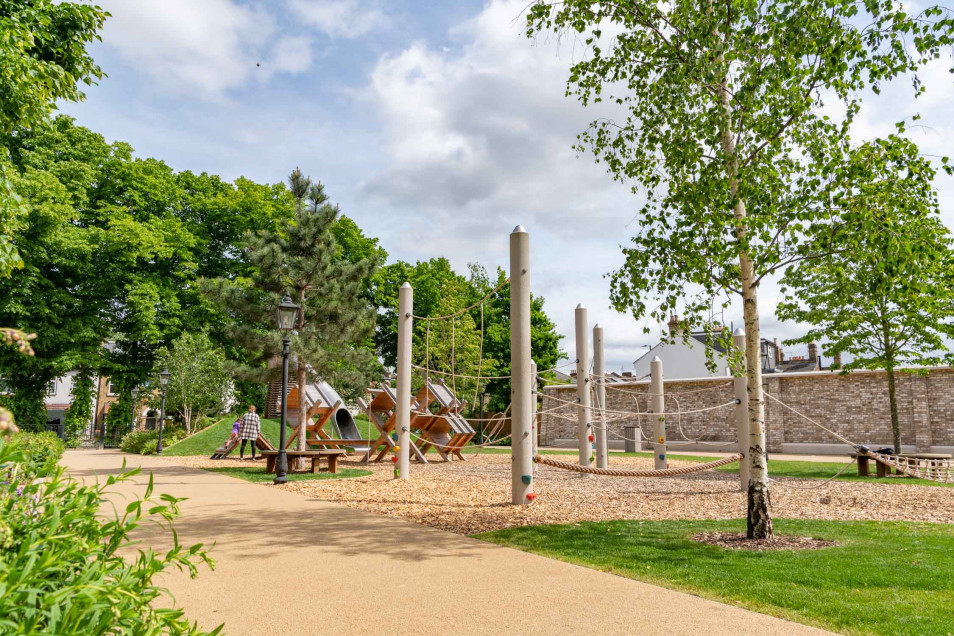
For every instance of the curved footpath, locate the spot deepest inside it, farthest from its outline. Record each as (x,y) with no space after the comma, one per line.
(288,564)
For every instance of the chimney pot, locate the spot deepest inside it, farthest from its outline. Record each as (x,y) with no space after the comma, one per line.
(812,351)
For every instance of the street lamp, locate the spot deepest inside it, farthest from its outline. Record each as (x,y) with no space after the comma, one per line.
(135,398)
(287,317)
(163,386)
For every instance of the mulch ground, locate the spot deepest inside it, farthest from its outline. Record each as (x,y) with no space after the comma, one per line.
(474,496)
(738,541)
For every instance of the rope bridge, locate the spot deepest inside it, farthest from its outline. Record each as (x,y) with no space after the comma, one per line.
(613,472)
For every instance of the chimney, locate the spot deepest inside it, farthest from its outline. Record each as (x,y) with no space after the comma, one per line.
(675,325)
(812,351)
(836,363)
(779,351)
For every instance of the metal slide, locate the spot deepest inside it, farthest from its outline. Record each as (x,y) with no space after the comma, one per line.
(342,420)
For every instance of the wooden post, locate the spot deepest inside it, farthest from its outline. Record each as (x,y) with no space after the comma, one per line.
(534,433)
(583,416)
(602,461)
(403,407)
(658,403)
(521,382)
(740,385)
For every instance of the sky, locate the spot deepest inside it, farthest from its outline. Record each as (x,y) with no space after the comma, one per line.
(436,125)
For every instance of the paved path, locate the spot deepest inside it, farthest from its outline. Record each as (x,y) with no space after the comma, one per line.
(288,564)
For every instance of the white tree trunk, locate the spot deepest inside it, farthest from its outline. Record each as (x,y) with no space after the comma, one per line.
(759,524)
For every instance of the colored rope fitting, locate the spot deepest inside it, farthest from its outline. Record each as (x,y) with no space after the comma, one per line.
(531,496)
(526,479)
(397,448)
(662,457)
(393,459)
(397,473)
(592,458)
(394,436)
(591,438)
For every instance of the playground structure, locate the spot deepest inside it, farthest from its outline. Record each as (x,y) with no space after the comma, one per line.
(324,403)
(446,431)
(433,416)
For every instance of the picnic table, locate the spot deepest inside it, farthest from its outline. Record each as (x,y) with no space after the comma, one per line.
(271,458)
(883,470)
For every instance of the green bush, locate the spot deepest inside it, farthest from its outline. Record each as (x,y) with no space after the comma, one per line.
(61,564)
(40,451)
(144,442)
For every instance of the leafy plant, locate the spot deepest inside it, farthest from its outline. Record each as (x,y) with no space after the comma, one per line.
(144,442)
(41,452)
(66,570)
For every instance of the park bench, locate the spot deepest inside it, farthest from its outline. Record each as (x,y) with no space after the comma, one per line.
(883,470)
(271,458)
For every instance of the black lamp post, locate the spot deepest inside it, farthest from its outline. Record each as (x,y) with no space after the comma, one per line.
(287,317)
(135,398)
(163,386)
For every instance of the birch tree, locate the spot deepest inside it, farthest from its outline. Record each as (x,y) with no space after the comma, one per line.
(722,131)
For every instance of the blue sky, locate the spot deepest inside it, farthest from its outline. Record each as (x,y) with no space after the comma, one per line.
(436,125)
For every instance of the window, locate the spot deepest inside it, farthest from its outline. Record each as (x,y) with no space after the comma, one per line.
(51,388)
(113,389)
(5,387)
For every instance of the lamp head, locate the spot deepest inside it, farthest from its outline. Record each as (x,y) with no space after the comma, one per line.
(164,376)
(287,315)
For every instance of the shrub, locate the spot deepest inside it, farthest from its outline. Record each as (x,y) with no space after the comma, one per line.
(62,566)
(40,451)
(144,442)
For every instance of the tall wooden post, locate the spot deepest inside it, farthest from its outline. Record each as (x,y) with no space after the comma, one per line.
(599,373)
(403,407)
(521,382)
(534,431)
(741,385)
(658,403)
(583,416)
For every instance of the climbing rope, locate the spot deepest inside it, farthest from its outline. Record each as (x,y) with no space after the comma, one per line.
(613,472)
(465,309)
(785,484)
(630,413)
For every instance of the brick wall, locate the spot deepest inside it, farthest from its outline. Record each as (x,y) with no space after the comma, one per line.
(855,405)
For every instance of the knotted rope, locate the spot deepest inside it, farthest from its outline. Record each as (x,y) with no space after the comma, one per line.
(612,472)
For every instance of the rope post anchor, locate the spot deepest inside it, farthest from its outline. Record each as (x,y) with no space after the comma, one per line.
(584,426)
(602,459)
(522,381)
(658,403)
(403,407)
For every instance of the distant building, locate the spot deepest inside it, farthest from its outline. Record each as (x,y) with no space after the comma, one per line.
(687,358)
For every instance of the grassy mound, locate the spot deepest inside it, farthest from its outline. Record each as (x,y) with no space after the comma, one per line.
(207,440)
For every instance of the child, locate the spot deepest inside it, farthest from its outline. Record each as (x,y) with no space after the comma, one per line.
(235,433)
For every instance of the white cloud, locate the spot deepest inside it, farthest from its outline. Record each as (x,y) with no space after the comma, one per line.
(201,48)
(340,18)
(477,138)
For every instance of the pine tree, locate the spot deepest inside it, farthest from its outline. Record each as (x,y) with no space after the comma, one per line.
(301,259)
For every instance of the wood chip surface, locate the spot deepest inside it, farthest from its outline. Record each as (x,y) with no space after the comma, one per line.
(474,496)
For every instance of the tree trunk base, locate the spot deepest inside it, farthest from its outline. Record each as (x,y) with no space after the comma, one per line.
(760,517)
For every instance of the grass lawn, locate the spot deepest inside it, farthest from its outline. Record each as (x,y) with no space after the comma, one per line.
(777,468)
(257,474)
(208,439)
(883,578)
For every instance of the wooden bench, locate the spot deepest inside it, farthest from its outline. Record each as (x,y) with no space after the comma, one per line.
(883,470)
(271,458)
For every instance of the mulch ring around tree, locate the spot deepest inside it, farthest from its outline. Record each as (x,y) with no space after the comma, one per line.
(738,541)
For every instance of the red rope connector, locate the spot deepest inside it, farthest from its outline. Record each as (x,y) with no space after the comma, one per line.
(531,496)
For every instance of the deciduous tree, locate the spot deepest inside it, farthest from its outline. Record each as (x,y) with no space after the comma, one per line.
(886,296)
(716,116)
